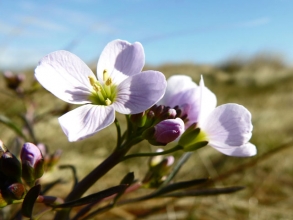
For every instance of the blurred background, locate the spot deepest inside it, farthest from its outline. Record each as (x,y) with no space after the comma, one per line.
(243,49)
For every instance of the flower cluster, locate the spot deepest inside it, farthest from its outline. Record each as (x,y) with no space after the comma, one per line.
(122,86)
(157,110)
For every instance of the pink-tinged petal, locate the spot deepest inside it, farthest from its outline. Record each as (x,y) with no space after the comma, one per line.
(66,76)
(208,101)
(86,120)
(168,130)
(246,150)
(228,125)
(139,92)
(177,87)
(121,60)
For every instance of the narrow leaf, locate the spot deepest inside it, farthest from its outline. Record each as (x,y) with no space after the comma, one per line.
(127,180)
(93,197)
(205,192)
(29,201)
(181,185)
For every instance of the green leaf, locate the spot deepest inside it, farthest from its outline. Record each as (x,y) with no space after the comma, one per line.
(181,185)
(12,125)
(29,201)
(93,197)
(127,180)
(205,192)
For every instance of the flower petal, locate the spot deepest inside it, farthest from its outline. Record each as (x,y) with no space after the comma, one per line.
(121,60)
(227,126)
(246,150)
(208,101)
(139,92)
(86,120)
(66,76)
(175,94)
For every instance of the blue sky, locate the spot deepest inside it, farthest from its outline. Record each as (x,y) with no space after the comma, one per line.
(170,30)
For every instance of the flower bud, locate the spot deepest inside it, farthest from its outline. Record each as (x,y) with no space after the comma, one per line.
(159,167)
(32,163)
(13,81)
(138,119)
(10,166)
(16,191)
(168,130)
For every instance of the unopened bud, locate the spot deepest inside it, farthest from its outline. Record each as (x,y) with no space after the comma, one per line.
(13,81)
(16,191)
(168,130)
(159,167)
(32,163)
(10,166)
(138,119)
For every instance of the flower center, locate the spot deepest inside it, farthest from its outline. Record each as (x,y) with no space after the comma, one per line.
(102,94)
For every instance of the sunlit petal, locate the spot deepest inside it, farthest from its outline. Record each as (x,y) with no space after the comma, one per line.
(177,86)
(208,101)
(229,125)
(66,76)
(246,150)
(139,92)
(86,120)
(121,60)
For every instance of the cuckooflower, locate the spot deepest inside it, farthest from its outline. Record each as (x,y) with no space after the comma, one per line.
(183,92)
(227,128)
(119,86)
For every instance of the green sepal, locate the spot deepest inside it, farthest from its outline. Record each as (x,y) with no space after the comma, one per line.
(196,146)
(188,136)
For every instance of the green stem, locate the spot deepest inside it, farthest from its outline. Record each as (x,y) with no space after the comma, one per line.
(176,169)
(176,148)
(96,174)
(119,138)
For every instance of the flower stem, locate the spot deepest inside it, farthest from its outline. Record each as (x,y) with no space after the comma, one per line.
(177,147)
(96,174)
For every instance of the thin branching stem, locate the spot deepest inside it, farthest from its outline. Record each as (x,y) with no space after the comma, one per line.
(176,148)
(118,128)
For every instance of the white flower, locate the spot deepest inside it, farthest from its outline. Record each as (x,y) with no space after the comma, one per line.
(119,86)
(227,128)
(183,92)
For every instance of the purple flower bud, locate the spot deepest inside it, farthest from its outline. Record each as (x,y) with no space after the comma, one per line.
(13,81)
(168,130)
(30,154)
(32,163)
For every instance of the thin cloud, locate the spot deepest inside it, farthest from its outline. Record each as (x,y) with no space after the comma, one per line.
(256,22)
(247,24)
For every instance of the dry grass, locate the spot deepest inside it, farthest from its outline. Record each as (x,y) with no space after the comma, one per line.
(263,86)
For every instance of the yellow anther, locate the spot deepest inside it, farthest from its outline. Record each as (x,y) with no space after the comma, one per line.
(108,82)
(108,101)
(95,83)
(105,75)
(92,80)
